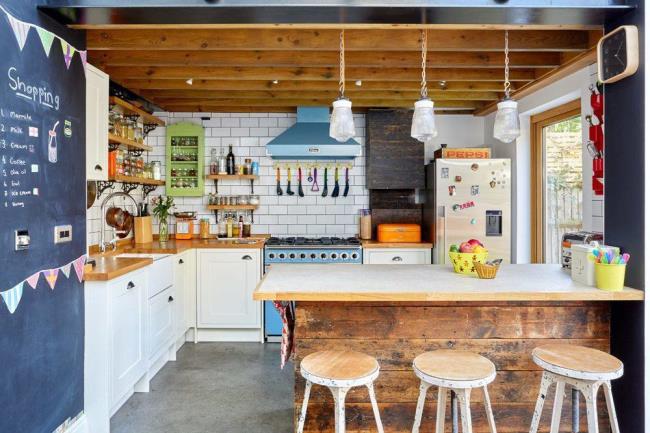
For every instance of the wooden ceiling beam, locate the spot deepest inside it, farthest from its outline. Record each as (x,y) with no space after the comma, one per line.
(328,74)
(191,104)
(338,26)
(385,59)
(328,40)
(353,94)
(143,85)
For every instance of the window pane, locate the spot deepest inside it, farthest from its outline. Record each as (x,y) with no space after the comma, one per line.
(563,192)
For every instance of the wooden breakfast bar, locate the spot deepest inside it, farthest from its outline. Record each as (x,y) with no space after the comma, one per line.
(395,313)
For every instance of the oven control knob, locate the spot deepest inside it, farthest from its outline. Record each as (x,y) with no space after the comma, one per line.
(355,256)
(334,256)
(303,255)
(282,256)
(323,255)
(292,256)
(271,256)
(344,256)
(313,256)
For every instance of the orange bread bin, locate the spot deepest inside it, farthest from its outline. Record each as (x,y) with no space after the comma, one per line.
(399,233)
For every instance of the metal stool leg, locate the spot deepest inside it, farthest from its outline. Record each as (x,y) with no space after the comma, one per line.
(488,410)
(590,391)
(575,410)
(557,407)
(420,407)
(539,406)
(303,410)
(339,408)
(375,408)
(454,412)
(440,413)
(613,420)
(465,413)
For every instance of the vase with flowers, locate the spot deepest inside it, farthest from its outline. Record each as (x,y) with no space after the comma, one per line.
(161,207)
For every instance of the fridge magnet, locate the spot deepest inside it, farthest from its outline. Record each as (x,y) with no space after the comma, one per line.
(462,206)
(473,221)
(458,179)
(493,184)
(474,167)
(452,190)
(474,190)
(444,173)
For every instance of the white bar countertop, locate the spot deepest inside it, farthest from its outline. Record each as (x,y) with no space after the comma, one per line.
(409,283)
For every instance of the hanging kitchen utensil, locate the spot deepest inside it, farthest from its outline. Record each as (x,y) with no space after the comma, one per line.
(277,179)
(346,190)
(310,178)
(324,194)
(91,193)
(289,192)
(301,193)
(314,186)
(335,191)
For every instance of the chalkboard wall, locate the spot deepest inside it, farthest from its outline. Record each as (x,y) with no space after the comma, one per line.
(42,184)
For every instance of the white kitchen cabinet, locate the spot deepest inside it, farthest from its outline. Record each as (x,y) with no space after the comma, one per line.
(115,345)
(225,285)
(96,124)
(185,298)
(161,322)
(397,256)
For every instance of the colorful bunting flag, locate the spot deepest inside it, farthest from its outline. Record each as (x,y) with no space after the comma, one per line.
(21,30)
(47,38)
(79,267)
(51,276)
(66,269)
(12,297)
(68,53)
(33,280)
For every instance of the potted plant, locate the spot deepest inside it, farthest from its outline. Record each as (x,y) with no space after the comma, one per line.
(161,208)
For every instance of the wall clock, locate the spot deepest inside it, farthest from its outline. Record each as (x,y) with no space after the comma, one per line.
(618,54)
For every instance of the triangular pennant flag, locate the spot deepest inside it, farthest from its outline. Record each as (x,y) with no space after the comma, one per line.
(33,280)
(51,276)
(84,57)
(66,269)
(79,267)
(21,30)
(68,52)
(12,297)
(47,38)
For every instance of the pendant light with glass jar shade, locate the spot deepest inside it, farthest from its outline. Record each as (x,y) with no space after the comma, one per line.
(342,122)
(423,126)
(506,122)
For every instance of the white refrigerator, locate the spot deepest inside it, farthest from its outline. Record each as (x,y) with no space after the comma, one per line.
(465,199)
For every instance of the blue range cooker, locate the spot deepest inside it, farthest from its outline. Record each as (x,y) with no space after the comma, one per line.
(305,250)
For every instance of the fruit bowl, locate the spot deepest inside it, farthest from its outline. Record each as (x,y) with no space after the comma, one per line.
(486,271)
(464,262)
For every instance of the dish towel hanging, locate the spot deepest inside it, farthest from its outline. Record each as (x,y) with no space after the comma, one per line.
(288,315)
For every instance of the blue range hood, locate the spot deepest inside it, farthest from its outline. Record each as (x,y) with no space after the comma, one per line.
(310,138)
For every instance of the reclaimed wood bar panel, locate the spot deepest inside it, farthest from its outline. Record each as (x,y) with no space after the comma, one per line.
(395,333)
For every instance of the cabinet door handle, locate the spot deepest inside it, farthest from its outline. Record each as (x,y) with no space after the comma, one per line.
(180,262)
(99,168)
(130,285)
(397,259)
(171,299)
(247,257)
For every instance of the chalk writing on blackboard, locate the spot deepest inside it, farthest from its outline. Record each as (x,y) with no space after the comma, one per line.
(39,94)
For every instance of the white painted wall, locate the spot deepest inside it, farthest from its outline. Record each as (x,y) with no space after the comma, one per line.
(456,131)
(567,89)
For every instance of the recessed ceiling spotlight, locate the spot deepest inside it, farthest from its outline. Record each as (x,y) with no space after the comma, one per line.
(275,81)
(190,81)
(358,83)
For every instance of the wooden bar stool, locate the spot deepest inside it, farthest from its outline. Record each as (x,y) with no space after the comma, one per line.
(582,368)
(339,371)
(456,371)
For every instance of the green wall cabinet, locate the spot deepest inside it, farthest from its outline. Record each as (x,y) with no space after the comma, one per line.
(184,160)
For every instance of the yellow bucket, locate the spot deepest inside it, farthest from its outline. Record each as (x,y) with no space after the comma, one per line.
(464,262)
(610,276)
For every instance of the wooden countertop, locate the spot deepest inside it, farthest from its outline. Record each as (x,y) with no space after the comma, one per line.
(110,267)
(406,245)
(334,282)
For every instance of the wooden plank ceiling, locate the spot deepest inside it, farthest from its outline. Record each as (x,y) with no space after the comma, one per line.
(279,68)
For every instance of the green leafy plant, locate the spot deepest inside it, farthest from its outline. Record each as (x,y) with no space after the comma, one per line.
(162,206)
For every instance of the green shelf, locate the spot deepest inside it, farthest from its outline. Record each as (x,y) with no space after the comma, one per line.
(174,132)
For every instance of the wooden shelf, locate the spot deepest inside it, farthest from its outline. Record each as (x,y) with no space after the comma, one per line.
(232,207)
(128,143)
(232,176)
(129,108)
(138,180)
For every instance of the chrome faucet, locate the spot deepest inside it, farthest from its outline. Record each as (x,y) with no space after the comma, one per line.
(103,245)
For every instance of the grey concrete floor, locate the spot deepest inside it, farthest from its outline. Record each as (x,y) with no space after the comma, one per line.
(214,388)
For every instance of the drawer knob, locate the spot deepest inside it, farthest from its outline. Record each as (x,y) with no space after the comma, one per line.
(180,262)
(170,299)
(130,285)
(397,259)
(247,257)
